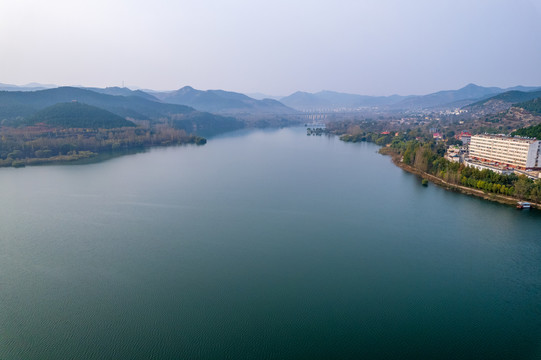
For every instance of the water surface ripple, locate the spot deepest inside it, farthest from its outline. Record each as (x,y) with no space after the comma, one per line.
(263,244)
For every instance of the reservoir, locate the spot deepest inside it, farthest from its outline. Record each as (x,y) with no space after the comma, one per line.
(261,244)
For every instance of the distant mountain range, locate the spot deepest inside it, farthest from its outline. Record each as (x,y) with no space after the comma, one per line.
(261,96)
(223,102)
(502,101)
(126,106)
(329,100)
(449,98)
(27,87)
(123,91)
(144,104)
(19,107)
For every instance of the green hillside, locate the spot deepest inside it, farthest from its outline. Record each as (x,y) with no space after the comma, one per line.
(14,104)
(533,106)
(530,131)
(510,97)
(78,115)
(18,107)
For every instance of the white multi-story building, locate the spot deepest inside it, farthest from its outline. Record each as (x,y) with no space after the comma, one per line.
(518,152)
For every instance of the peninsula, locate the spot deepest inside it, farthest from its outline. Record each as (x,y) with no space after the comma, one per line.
(69,124)
(498,167)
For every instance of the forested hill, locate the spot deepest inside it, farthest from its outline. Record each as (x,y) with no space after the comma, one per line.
(78,115)
(73,124)
(224,102)
(122,91)
(17,107)
(503,101)
(511,97)
(22,104)
(533,106)
(530,131)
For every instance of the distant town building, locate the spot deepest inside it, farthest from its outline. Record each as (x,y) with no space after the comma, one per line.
(516,152)
(453,158)
(455,153)
(465,137)
(437,136)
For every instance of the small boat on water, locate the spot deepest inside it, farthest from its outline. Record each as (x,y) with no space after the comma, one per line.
(523,205)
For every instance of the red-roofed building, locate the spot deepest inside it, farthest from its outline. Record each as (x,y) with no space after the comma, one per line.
(465,137)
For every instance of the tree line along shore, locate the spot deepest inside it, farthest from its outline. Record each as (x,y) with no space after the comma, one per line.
(422,155)
(43,144)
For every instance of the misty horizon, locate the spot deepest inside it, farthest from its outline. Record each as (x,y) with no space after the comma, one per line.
(258,94)
(374,47)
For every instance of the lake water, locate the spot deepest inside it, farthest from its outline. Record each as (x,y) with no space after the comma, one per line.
(264,244)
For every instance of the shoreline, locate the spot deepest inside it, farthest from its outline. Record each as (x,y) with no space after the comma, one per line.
(502,199)
(88,157)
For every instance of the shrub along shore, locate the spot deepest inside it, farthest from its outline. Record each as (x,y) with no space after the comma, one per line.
(506,189)
(426,159)
(497,197)
(42,145)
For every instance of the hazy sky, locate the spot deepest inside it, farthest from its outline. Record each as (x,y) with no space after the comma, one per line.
(374,47)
